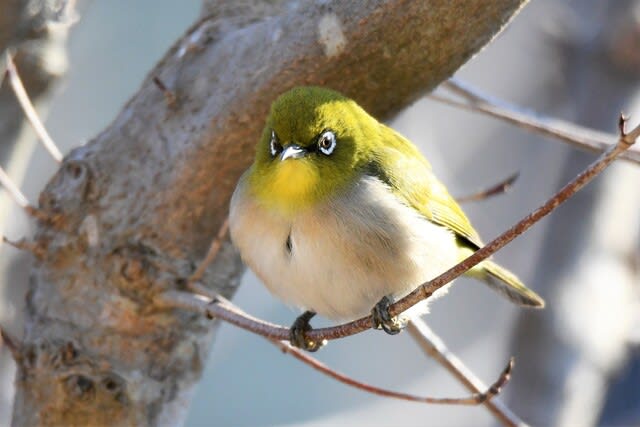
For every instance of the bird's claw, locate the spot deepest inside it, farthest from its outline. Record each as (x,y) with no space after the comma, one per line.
(383,320)
(298,333)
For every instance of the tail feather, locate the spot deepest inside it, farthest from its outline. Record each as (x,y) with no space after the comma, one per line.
(505,282)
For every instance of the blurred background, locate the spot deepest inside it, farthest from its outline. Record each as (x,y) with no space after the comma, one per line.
(577,361)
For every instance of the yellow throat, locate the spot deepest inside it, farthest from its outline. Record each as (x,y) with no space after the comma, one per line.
(288,186)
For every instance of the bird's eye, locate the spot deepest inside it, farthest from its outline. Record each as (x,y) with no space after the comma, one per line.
(327,142)
(274,146)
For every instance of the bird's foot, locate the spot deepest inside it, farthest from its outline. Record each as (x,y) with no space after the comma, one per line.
(298,334)
(383,320)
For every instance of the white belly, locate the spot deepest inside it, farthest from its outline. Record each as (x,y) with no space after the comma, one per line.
(344,255)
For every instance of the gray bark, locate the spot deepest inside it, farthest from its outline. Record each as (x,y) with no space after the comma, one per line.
(134,210)
(585,269)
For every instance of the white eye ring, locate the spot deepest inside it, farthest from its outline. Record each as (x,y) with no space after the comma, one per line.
(274,146)
(327,142)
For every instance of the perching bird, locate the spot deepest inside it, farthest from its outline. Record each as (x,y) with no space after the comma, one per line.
(339,214)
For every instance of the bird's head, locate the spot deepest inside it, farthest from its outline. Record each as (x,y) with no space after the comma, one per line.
(314,144)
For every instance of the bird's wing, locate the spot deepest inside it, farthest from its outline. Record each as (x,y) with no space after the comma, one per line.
(400,165)
(446,211)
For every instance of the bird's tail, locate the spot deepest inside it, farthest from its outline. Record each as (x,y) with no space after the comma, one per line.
(505,282)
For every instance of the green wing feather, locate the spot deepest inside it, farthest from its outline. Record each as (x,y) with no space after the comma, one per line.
(409,174)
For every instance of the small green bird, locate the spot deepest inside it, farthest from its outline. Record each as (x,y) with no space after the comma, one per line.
(339,214)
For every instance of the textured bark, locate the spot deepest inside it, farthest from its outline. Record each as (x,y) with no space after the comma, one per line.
(134,210)
(586,270)
(35,31)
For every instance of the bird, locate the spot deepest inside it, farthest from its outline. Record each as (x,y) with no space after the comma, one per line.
(340,215)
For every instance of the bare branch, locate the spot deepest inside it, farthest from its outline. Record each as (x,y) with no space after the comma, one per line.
(29,110)
(214,248)
(221,308)
(476,399)
(571,133)
(18,197)
(13,190)
(499,188)
(434,347)
(202,304)
(24,245)
(11,343)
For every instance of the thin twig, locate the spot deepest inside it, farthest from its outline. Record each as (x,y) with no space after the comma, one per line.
(29,110)
(202,304)
(214,248)
(500,188)
(447,359)
(18,197)
(13,190)
(223,309)
(226,312)
(11,343)
(434,347)
(27,246)
(475,399)
(571,133)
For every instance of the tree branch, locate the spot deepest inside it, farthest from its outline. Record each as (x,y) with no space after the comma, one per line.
(200,304)
(434,347)
(477,398)
(578,136)
(499,188)
(28,109)
(16,195)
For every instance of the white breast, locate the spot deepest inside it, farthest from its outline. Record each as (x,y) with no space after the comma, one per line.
(346,254)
